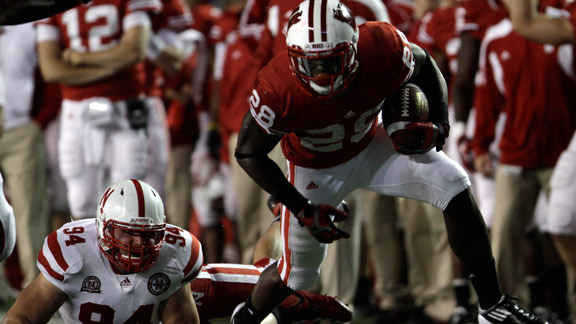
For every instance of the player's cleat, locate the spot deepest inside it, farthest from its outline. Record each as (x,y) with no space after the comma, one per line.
(507,312)
(306,306)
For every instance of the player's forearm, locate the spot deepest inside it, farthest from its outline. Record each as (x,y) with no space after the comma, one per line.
(270,177)
(14,12)
(130,50)
(73,75)
(431,81)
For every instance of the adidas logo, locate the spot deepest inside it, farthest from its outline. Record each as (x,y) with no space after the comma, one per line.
(311,186)
(350,114)
(125,283)
(499,314)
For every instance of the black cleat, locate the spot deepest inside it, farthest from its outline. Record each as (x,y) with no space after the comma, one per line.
(507,312)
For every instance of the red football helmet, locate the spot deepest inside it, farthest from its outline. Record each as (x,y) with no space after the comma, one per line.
(135,208)
(322,42)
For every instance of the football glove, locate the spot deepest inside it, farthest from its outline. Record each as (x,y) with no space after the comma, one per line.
(433,135)
(317,218)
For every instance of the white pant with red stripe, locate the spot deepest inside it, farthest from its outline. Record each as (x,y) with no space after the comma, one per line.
(432,177)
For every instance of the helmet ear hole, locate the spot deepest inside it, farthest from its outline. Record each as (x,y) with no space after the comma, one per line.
(322,55)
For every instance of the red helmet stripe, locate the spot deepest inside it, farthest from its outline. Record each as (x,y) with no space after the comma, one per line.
(323,28)
(311,21)
(140,195)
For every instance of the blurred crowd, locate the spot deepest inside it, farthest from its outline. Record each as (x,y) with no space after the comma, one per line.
(158,92)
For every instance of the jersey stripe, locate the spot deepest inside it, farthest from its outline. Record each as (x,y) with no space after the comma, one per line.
(140,195)
(56,250)
(195,261)
(284,265)
(44,262)
(245,271)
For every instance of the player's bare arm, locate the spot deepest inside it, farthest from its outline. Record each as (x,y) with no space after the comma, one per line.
(14,12)
(130,50)
(252,150)
(527,22)
(54,69)
(37,303)
(180,308)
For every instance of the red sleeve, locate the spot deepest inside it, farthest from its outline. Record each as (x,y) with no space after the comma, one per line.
(488,102)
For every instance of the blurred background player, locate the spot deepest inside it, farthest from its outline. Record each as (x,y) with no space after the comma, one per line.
(22,150)
(104,114)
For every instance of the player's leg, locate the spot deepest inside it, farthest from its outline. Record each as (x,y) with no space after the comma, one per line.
(128,147)
(77,137)
(159,145)
(440,181)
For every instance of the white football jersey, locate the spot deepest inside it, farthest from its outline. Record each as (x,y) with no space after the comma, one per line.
(73,262)
(7,225)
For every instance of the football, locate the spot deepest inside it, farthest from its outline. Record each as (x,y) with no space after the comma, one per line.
(405,105)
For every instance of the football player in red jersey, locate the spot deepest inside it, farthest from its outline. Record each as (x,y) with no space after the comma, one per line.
(14,12)
(322,102)
(95,52)
(561,220)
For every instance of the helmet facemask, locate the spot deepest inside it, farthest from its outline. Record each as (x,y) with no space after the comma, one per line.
(128,257)
(326,73)
(322,45)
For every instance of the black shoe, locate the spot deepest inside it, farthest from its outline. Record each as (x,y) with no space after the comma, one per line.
(507,312)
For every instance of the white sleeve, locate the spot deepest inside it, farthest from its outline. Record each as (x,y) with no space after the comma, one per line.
(2,100)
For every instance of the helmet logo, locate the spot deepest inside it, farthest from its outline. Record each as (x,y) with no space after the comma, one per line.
(343,14)
(104,198)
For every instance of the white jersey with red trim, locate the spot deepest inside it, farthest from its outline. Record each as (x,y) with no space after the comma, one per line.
(72,261)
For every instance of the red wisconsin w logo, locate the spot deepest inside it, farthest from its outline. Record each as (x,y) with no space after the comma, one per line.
(104,198)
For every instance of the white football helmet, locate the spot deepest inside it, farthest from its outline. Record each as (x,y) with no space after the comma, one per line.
(133,206)
(322,40)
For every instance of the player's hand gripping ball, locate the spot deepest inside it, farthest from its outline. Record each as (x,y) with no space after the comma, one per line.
(406,105)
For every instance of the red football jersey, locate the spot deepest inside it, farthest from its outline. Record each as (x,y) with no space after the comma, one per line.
(95,27)
(475,16)
(540,115)
(175,15)
(321,133)
(437,33)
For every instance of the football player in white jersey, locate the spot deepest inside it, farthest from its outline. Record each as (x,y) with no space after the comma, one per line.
(127,265)
(7,225)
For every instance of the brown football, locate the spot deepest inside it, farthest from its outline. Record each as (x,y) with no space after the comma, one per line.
(405,105)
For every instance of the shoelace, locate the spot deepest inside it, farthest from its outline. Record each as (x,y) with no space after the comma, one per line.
(517,308)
